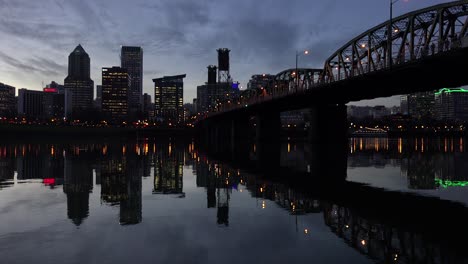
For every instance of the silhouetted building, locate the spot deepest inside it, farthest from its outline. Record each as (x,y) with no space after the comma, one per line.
(54,103)
(98,100)
(209,95)
(212,70)
(132,61)
(169,99)
(261,81)
(452,104)
(418,105)
(78,81)
(147,106)
(59,87)
(223,66)
(115,88)
(30,103)
(7,100)
(380,111)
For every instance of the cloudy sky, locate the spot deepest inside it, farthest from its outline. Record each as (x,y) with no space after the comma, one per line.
(181,36)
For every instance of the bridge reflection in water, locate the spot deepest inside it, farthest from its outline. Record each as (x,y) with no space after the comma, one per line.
(387,226)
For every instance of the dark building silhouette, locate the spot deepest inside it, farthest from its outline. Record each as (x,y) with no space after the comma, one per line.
(132,61)
(169,99)
(115,94)
(261,81)
(78,82)
(223,65)
(59,87)
(147,106)
(452,104)
(30,103)
(212,70)
(7,100)
(98,100)
(54,103)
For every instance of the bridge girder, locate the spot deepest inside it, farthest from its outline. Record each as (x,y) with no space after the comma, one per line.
(286,80)
(413,36)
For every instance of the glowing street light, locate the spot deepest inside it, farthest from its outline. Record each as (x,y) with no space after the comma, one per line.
(305,52)
(389,33)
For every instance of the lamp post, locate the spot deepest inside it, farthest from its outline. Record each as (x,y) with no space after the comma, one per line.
(390,33)
(305,52)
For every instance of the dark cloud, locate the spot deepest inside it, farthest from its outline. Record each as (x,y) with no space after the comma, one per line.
(181,36)
(34,65)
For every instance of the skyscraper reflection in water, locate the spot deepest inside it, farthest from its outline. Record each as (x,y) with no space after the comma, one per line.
(121,183)
(168,169)
(78,183)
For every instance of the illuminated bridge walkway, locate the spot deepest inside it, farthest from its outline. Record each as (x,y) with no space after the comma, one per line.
(420,51)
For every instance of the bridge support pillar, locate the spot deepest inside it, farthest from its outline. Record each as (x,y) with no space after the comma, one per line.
(328,142)
(328,123)
(267,139)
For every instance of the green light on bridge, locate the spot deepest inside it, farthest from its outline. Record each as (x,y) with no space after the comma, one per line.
(448,183)
(447,90)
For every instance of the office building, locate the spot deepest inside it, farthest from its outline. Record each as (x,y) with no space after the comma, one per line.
(78,81)
(452,104)
(7,100)
(30,104)
(54,103)
(132,61)
(261,81)
(59,88)
(169,99)
(147,106)
(418,105)
(115,90)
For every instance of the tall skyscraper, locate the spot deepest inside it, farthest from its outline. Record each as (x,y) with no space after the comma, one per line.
(78,81)
(115,94)
(132,60)
(169,99)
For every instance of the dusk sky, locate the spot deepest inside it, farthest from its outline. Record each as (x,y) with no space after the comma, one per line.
(181,36)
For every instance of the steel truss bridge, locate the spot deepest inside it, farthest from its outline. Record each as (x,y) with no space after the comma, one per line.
(395,56)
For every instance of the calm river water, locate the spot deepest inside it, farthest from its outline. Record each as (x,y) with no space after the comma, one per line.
(166,201)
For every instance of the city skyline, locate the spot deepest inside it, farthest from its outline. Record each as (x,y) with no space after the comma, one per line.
(184,39)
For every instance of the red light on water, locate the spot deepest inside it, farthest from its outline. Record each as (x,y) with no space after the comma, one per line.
(48,181)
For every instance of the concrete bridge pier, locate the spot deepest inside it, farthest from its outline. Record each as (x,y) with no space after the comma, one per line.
(328,124)
(328,142)
(267,139)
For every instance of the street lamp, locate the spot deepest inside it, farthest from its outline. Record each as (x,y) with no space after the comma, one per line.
(390,33)
(305,52)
